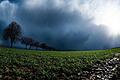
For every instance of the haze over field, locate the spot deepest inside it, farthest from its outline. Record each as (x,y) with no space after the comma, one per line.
(66,24)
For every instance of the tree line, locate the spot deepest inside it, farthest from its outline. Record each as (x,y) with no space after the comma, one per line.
(13,33)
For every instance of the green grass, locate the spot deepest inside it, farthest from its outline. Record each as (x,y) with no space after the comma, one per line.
(50,65)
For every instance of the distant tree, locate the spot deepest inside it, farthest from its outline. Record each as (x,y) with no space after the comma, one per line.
(51,48)
(31,42)
(43,45)
(12,33)
(25,40)
(36,44)
(46,47)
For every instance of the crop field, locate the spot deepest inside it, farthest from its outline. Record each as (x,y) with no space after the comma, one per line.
(18,64)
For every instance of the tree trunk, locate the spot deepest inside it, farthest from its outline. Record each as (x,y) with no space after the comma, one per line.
(30,47)
(11,43)
(26,46)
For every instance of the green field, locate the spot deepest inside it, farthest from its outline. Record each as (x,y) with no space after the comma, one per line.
(18,64)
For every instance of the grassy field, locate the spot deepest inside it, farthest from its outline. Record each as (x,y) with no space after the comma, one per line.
(18,64)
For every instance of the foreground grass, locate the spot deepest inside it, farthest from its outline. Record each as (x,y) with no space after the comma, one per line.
(36,65)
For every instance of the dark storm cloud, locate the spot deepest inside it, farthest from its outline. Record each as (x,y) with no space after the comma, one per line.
(2,24)
(59,26)
(13,1)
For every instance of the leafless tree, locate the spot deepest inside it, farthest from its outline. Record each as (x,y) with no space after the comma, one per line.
(12,33)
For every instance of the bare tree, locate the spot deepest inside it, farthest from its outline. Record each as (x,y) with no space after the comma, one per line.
(25,40)
(43,45)
(46,47)
(36,44)
(31,42)
(12,33)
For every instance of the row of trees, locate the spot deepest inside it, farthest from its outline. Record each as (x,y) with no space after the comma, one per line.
(13,33)
(29,43)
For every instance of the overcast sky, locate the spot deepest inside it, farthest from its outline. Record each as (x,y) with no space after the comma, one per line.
(63,24)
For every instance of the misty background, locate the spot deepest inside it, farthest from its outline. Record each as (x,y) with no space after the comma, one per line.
(63,24)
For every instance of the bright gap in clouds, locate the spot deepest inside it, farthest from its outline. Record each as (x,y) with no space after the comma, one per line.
(106,13)
(7,11)
(110,17)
